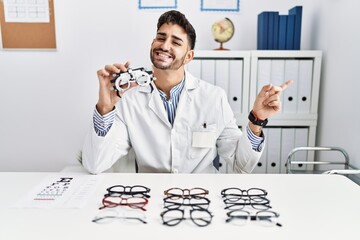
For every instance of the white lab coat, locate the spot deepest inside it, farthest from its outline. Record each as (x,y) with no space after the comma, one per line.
(204,126)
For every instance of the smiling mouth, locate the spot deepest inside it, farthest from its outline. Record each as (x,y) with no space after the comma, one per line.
(163,55)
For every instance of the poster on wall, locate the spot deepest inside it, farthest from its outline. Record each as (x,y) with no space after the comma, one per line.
(220,5)
(157,4)
(26,11)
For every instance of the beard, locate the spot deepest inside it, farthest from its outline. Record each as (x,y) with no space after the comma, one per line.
(175,64)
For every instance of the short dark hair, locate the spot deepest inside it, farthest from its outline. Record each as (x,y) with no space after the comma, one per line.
(176,17)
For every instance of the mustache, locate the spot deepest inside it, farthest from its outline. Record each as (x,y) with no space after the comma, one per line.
(163,50)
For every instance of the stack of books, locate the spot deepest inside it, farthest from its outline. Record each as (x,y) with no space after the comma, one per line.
(279,32)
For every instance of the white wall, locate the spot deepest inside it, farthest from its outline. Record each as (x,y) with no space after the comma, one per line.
(47,97)
(338,32)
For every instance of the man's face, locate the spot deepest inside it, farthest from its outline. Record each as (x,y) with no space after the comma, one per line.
(169,48)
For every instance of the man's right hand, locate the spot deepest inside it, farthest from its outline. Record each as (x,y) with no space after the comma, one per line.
(107,97)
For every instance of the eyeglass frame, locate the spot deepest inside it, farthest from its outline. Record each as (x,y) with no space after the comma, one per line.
(252,217)
(193,205)
(223,194)
(243,202)
(117,193)
(131,205)
(184,190)
(98,219)
(184,218)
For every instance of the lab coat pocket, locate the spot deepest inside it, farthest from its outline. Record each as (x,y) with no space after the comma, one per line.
(203,139)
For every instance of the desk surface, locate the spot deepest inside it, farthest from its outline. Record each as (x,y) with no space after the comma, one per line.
(310,207)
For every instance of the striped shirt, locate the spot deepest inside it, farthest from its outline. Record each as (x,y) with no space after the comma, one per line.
(171,104)
(102,124)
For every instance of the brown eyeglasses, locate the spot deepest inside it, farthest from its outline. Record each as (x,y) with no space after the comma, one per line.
(186,193)
(132,202)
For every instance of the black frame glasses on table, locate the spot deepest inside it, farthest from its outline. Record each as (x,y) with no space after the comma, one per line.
(249,205)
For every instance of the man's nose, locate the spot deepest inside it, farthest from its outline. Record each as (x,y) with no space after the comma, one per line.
(166,45)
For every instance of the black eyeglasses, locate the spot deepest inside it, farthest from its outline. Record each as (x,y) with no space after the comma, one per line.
(242,217)
(259,203)
(136,190)
(186,193)
(172,202)
(172,217)
(132,202)
(248,193)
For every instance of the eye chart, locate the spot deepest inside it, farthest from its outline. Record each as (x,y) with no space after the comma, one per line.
(61,191)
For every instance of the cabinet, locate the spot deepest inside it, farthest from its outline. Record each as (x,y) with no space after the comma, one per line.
(242,74)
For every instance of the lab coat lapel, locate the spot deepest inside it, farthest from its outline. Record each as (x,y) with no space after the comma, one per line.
(156,105)
(186,97)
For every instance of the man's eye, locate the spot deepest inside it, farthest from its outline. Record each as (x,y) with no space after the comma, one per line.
(177,43)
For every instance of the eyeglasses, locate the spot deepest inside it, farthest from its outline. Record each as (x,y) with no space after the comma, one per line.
(132,202)
(172,217)
(129,216)
(249,193)
(259,203)
(242,217)
(172,202)
(186,193)
(136,190)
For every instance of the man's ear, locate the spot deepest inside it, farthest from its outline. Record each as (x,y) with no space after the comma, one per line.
(189,56)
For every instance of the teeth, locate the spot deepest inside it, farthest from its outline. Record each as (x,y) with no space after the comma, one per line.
(164,55)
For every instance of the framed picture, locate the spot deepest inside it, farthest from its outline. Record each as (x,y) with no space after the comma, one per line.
(157,4)
(220,5)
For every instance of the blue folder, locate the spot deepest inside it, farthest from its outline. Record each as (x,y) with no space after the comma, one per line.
(297,12)
(262,33)
(290,32)
(282,32)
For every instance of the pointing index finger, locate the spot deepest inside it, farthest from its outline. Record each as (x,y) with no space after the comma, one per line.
(286,84)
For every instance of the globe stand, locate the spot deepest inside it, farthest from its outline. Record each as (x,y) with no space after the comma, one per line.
(221,47)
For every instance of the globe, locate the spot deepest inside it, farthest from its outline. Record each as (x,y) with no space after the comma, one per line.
(222,31)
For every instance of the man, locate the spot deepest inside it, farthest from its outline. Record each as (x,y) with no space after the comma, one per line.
(178,123)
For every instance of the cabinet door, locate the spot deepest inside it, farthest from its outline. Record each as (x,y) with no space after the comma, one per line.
(273,150)
(287,144)
(301,140)
(226,73)
(290,94)
(236,86)
(305,85)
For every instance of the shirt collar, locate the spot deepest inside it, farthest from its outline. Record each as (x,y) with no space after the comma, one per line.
(174,92)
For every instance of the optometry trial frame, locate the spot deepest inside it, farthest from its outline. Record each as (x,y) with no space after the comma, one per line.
(122,81)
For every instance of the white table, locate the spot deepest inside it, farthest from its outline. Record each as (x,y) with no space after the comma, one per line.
(310,207)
